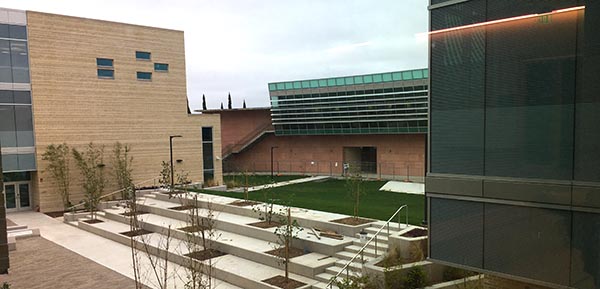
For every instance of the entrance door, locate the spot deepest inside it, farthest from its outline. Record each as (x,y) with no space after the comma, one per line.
(17,196)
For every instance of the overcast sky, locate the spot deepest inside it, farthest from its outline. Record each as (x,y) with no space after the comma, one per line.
(239,46)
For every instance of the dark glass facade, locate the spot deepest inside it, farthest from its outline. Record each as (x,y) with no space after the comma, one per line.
(16,117)
(513,173)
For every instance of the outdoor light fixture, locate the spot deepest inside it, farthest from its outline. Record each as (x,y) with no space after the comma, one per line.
(505,20)
(171,137)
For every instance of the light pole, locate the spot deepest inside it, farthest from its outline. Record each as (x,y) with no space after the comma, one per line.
(171,137)
(272,148)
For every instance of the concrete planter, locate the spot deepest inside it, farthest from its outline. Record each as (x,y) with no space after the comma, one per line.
(73,217)
(460,283)
(407,245)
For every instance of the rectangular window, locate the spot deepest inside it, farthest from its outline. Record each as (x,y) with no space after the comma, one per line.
(207,154)
(106,73)
(106,62)
(5,65)
(142,55)
(144,75)
(17,31)
(20,61)
(4,30)
(161,67)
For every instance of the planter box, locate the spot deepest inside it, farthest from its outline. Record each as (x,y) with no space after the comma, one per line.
(73,217)
(408,244)
(459,284)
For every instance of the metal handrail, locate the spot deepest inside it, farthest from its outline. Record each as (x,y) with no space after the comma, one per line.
(360,252)
(108,195)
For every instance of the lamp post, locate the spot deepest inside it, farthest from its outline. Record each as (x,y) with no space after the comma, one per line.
(272,148)
(171,137)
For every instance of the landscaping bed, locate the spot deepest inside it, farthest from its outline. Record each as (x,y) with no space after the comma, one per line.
(352,221)
(280,252)
(265,224)
(94,221)
(205,254)
(281,282)
(135,233)
(193,229)
(244,203)
(183,208)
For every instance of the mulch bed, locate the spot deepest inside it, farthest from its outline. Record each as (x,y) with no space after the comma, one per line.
(94,221)
(265,224)
(280,252)
(135,233)
(193,229)
(55,214)
(205,254)
(244,203)
(415,233)
(280,282)
(183,208)
(352,221)
(129,214)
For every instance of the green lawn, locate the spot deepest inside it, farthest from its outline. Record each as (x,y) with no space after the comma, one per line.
(238,180)
(331,196)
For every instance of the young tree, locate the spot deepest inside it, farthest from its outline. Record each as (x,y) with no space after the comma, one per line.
(121,163)
(203,102)
(354,182)
(91,165)
(58,166)
(165,176)
(285,234)
(229,101)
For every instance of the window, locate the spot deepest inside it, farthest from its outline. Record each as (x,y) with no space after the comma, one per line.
(144,75)
(141,55)
(161,67)
(17,31)
(207,154)
(106,62)
(106,73)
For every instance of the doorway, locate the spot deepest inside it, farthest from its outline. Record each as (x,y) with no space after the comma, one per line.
(17,196)
(360,160)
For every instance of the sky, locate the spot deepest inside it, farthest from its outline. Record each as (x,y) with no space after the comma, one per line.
(239,46)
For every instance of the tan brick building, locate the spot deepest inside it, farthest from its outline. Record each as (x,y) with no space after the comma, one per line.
(82,80)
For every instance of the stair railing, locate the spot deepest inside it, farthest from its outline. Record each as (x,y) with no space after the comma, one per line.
(374,237)
(72,208)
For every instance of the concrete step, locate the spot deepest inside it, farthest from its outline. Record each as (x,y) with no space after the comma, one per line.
(380,238)
(323,285)
(345,255)
(237,271)
(354,266)
(380,246)
(367,252)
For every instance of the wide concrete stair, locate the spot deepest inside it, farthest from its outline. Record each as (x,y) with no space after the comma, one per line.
(246,262)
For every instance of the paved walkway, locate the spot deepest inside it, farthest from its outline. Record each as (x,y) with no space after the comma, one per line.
(290,182)
(110,254)
(404,187)
(39,263)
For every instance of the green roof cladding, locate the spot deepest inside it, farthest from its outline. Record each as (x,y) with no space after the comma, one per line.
(350,80)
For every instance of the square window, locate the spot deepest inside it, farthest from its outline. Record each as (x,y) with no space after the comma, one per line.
(280,86)
(144,75)
(349,80)
(106,73)
(17,32)
(358,79)
(331,82)
(387,77)
(396,76)
(161,67)
(297,85)
(289,85)
(322,82)
(272,86)
(339,81)
(407,75)
(142,55)
(314,84)
(417,74)
(107,62)
(377,78)
(305,84)
(368,78)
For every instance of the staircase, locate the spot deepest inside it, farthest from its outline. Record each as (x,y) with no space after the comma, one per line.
(246,262)
(248,140)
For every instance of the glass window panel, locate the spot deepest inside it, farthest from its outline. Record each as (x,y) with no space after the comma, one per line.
(18,54)
(4,30)
(406,75)
(207,134)
(26,162)
(377,78)
(331,82)
(10,163)
(387,77)
(417,74)
(314,84)
(349,80)
(6,96)
(358,79)
(297,85)
(368,78)
(5,65)
(8,128)
(426,73)
(322,83)
(142,55)
(209,175)
(20,75)
(288,85)
(397,76)
(22,97)
(17,177)
(305,84)
(272,86)
(339,81)
(24,126)
(280,86)
(107,73)
(207,156)
(104,62)
(161,67)
(17,31)
(585,264)
(144,75)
